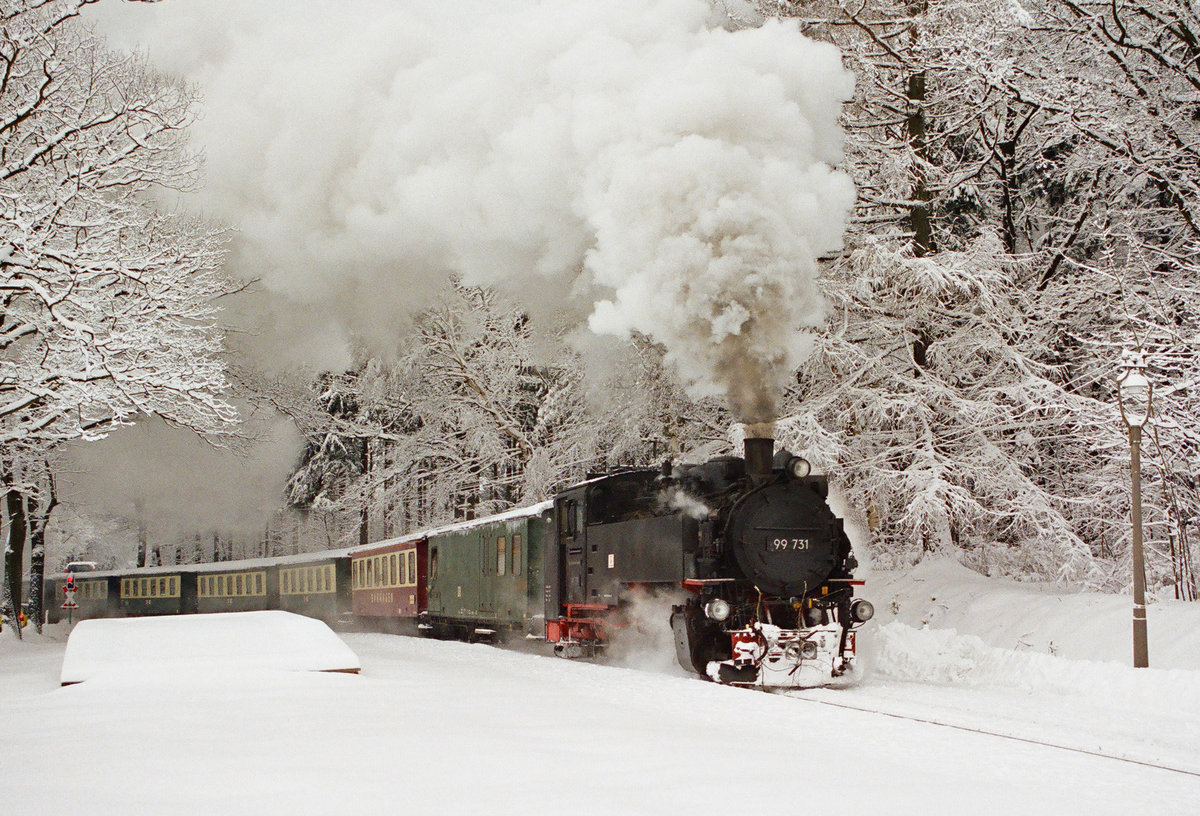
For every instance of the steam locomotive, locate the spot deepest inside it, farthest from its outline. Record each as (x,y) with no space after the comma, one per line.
(762,564)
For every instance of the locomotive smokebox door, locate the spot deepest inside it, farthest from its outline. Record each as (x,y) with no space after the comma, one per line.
(782,540)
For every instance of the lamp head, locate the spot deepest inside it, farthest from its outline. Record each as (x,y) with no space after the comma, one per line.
(1133,389)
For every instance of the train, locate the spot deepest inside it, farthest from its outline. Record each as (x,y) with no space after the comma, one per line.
(758,570)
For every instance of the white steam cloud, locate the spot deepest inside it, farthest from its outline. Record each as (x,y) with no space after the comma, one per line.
(626,162)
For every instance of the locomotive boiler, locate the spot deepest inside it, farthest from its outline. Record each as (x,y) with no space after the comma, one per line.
(766,564)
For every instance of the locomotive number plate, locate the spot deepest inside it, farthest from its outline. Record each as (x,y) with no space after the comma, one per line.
(782,544)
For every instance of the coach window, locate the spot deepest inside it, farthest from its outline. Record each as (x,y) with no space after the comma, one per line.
(395,560)
(516,559)
(500,548)
(433,564)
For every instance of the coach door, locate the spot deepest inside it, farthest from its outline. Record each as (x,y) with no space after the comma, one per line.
(572,544)
(486,547)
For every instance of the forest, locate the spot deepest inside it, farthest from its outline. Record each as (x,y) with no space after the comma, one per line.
(1026,210)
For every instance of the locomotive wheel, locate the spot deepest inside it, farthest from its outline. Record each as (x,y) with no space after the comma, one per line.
(698,640)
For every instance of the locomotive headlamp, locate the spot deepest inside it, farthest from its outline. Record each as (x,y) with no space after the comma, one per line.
(717,609)
(798,468)
(792,652)
(808,649)
(862,611)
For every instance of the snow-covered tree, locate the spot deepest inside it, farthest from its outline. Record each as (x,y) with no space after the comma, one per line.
(107,304)
(478,413)
(1059,134)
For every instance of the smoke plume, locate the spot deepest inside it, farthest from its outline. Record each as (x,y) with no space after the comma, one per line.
(628,163)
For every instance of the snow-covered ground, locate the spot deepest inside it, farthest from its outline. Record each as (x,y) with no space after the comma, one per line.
(474,729)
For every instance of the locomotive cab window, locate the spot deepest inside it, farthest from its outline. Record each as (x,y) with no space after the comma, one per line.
(621,499)
(566,517)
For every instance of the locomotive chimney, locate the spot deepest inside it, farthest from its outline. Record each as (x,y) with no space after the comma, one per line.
(759,450)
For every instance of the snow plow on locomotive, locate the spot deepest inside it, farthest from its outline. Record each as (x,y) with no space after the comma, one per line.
(766,562)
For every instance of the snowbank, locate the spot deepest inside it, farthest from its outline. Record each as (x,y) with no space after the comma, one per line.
(940,593)
(228,642)
(901,652)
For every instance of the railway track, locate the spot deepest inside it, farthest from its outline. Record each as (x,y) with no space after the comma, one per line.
(809,698)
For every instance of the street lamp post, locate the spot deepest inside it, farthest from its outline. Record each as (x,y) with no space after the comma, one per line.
(1135,393)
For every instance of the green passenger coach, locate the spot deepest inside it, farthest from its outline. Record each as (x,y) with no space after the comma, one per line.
(485,577)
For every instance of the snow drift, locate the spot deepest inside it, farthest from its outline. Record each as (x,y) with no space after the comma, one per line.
(225,643)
